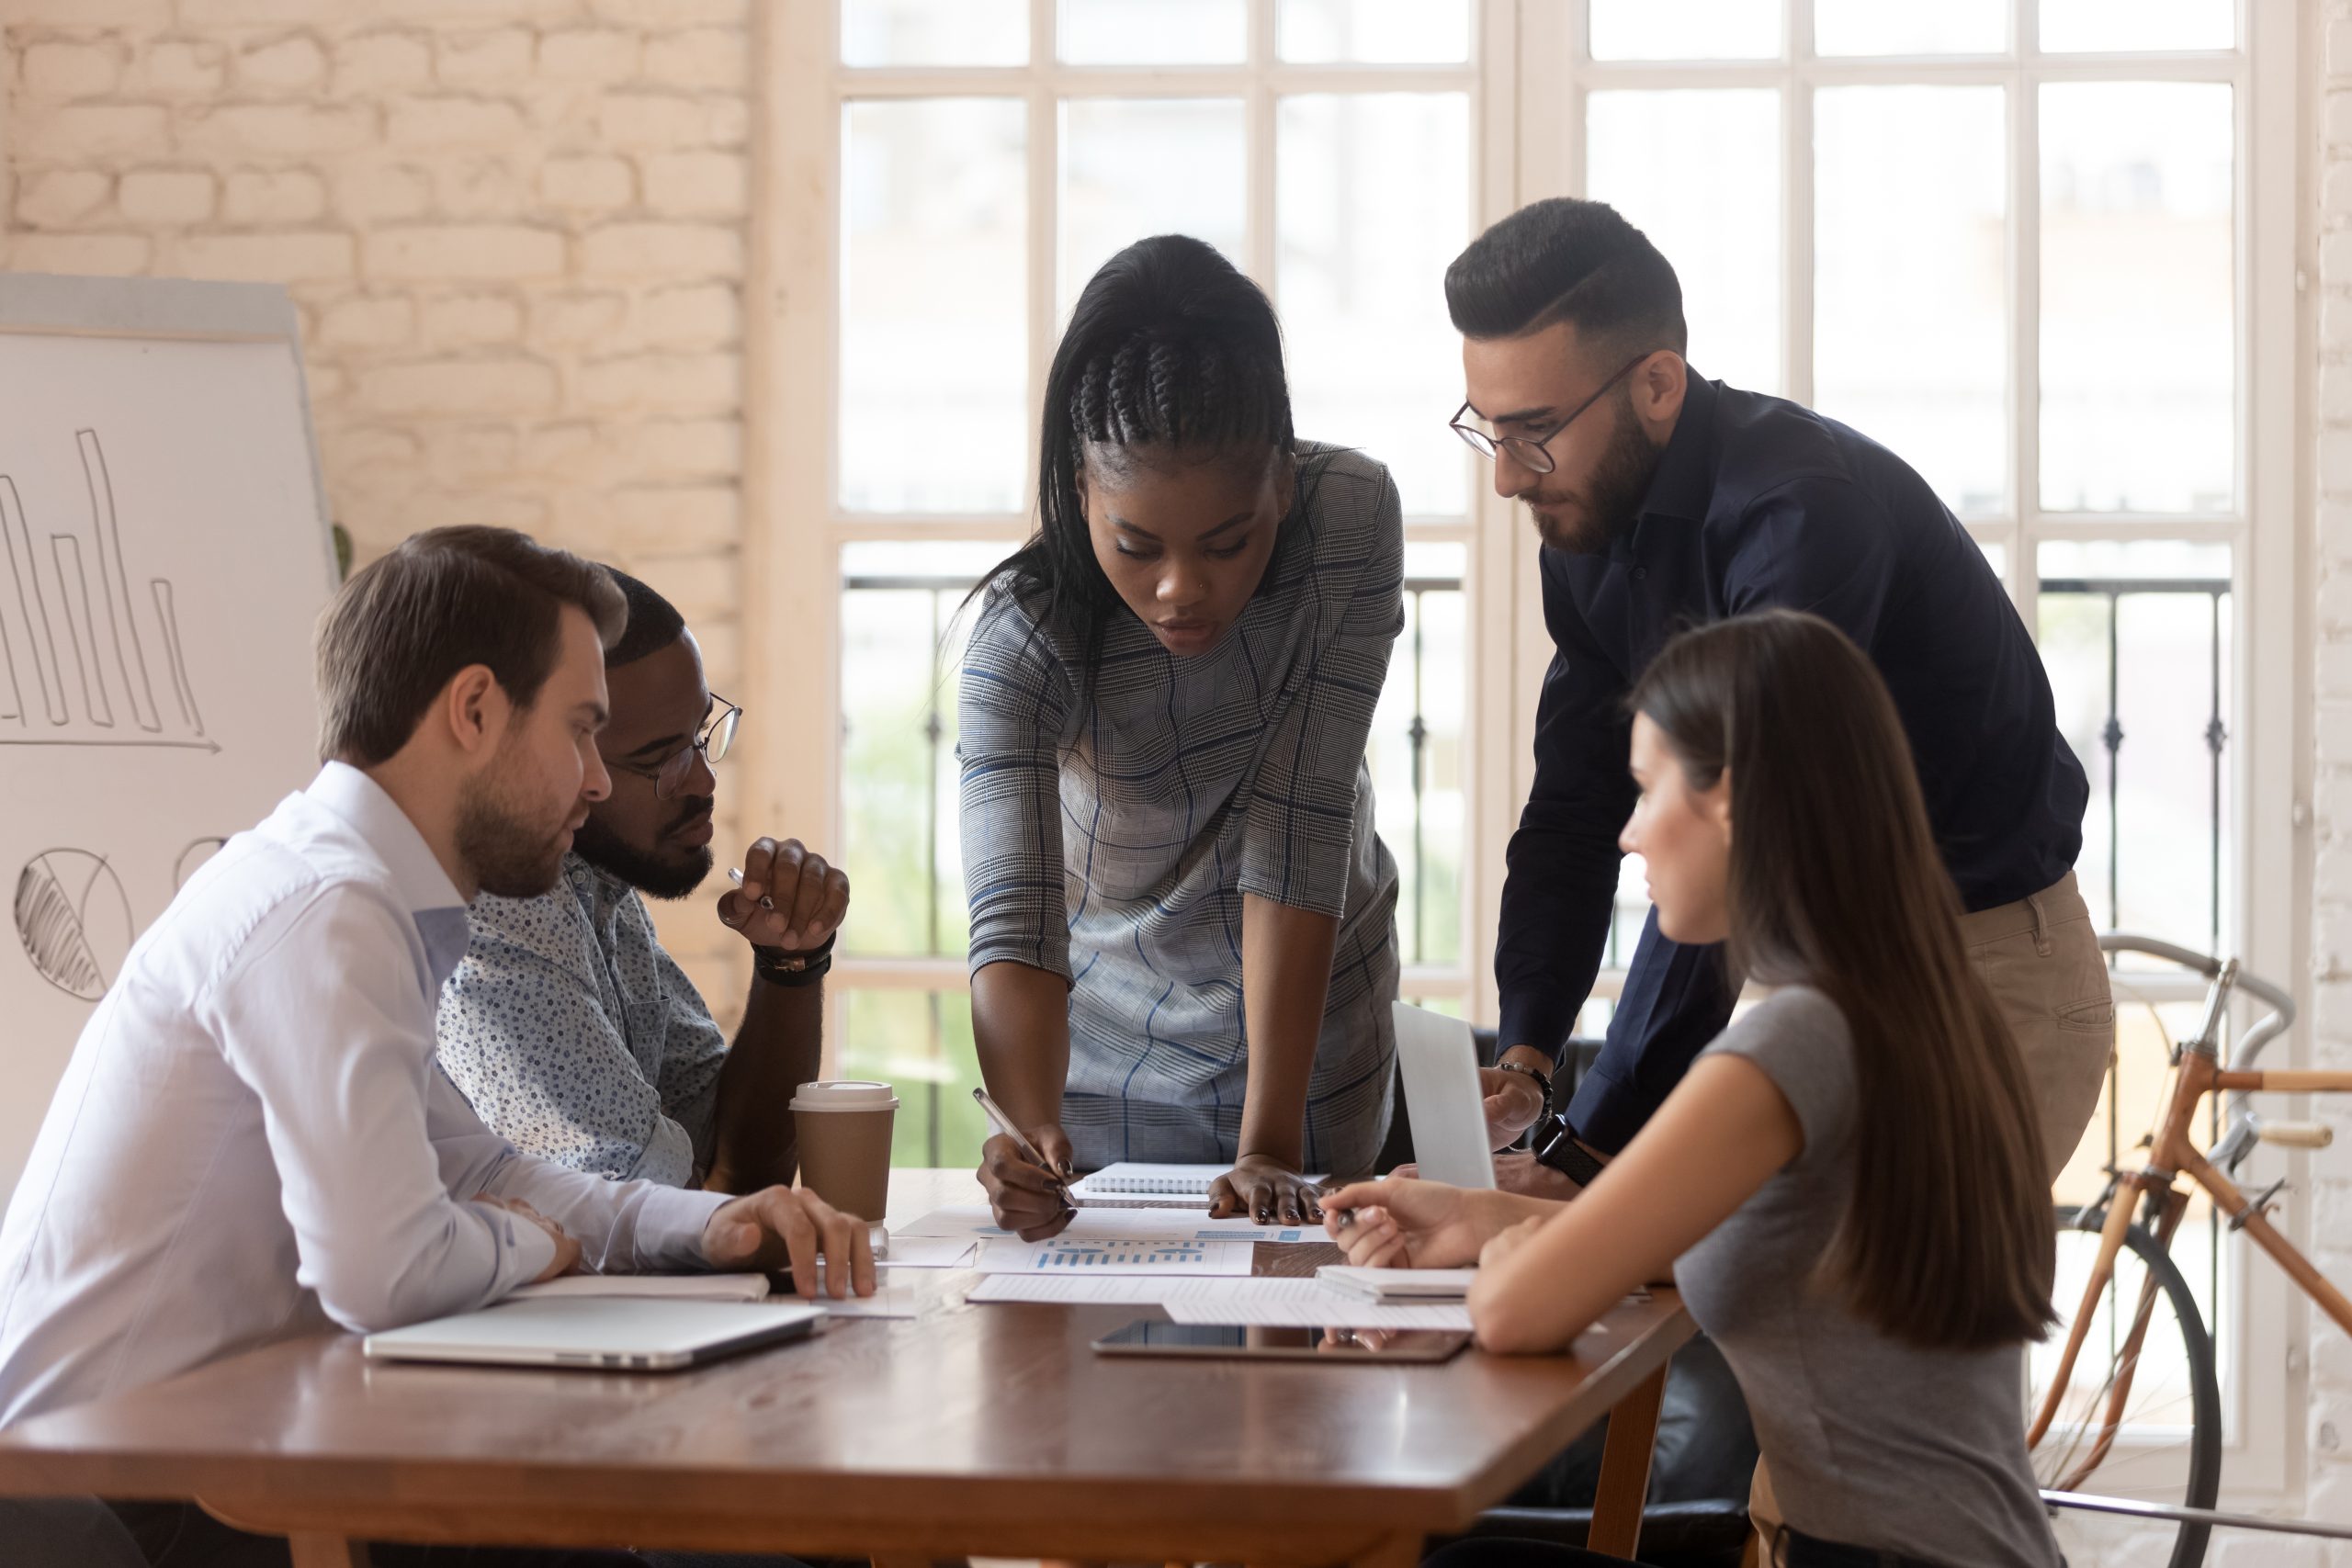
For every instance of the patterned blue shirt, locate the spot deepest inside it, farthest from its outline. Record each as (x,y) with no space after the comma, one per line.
(577,1038)
(1111,842)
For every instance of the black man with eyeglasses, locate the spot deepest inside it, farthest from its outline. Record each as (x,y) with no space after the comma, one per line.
(1662,500)
(574,1034)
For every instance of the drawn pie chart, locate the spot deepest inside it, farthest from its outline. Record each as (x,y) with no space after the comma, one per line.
(74,921)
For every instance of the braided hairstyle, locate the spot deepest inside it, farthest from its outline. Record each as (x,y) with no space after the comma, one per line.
(1170,350)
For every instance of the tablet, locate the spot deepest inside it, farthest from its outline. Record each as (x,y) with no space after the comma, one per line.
(620,1333)
(1438,1062)
(1331,1347)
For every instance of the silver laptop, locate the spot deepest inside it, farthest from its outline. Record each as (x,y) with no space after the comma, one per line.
(1438,1062)
(627,1333)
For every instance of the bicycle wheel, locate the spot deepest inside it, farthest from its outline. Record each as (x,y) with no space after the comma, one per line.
(2163,1439)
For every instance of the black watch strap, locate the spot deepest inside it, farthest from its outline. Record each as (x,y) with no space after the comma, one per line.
(1556,1145)
(789,970)
(1543,1079)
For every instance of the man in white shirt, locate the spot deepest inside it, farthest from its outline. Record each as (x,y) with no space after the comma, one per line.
(253,1138)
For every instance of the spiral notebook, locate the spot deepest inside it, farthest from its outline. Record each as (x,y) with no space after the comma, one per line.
(1131,1184)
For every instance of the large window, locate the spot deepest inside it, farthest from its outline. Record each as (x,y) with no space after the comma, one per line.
(2043,249)
(983,158)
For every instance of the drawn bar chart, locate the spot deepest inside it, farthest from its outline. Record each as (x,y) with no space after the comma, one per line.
(75,648)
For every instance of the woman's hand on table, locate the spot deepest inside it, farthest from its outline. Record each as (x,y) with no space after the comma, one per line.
(1407,1224)
(1031,1201)
(1266,1189)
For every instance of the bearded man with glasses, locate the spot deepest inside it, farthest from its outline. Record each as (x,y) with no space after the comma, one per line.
(575,1036)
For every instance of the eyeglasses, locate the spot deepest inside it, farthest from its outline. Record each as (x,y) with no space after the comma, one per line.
(1530,451)
(669,776)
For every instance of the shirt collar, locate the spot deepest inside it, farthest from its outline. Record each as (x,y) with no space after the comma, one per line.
(1685,480)
(431,899)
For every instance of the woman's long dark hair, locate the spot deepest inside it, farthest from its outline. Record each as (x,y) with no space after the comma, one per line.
(1946,1241)
(1169,347)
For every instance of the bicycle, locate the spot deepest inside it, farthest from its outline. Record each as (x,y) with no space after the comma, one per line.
(2131,1306)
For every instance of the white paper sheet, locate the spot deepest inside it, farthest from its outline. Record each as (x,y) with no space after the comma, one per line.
(887,1301)
(1075,1288)
(973,1223)
(1299,1303)
(928,1251)
(1064,1254)
(1404,1287)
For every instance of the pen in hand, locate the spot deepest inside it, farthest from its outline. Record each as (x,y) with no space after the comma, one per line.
(735,875)
(1022,1145)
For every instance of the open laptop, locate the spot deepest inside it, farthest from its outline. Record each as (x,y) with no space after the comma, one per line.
(623,1333)
(1439,1061)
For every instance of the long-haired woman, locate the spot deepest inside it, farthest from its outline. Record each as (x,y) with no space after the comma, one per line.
(1183,934)
(1848,1185)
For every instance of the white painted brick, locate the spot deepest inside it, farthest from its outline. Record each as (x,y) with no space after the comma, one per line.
(381,62)
(673,13)
(2335,669)
(2335,319)
(572,319)
(674,383)
(91,14)
(62,69)
(662,250)
(386,322)
(2339,46)
(283,65)
(368,192)
(2335,402)
(102,255)
(707,586)
(668,120)
(354,452)
(699,57)
(301,130)
(458,387)
(496,58)
(179,67)
(465,250)
(599,182)
(678,517)
(695,316)
(58,196)
(570,450)
(221,16)
(472,454)
(272,196)
(472,319)
(450,121)
(604,54)
(698,183)
(480,186)
(684,448)
(264,258)
(73,133)
(2336,124)
(167,197)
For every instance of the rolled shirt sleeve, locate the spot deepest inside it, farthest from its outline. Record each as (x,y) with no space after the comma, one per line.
(1013,704)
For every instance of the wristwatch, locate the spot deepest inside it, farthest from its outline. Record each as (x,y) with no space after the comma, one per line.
(778,967)
(1556,1145)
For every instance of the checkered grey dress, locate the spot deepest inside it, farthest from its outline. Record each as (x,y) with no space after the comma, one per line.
(1112,844)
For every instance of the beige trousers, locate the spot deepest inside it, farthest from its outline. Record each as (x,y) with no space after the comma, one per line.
(2040,958)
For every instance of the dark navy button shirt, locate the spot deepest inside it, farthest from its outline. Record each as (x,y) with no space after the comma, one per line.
(1758,503)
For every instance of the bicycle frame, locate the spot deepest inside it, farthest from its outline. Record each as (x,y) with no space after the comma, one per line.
(2170,1156)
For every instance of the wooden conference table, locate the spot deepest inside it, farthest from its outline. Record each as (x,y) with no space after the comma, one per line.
(989,1429)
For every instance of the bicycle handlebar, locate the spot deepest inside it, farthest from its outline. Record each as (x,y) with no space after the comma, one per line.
(2265,1030)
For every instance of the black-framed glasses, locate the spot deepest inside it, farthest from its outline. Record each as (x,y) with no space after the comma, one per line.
(1532,452)
(716,736)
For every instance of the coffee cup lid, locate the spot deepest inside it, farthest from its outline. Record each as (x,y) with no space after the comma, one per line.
(844,1094)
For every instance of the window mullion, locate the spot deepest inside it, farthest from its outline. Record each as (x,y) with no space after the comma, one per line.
(1797,205)
(1259,244)
(2024,319)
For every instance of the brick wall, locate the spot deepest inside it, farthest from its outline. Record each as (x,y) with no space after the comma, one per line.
(515,231)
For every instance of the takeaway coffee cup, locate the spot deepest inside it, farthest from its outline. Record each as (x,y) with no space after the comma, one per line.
(843,1128)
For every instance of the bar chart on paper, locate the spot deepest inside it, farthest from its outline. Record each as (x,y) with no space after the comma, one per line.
(1062,1254)
(90,649)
